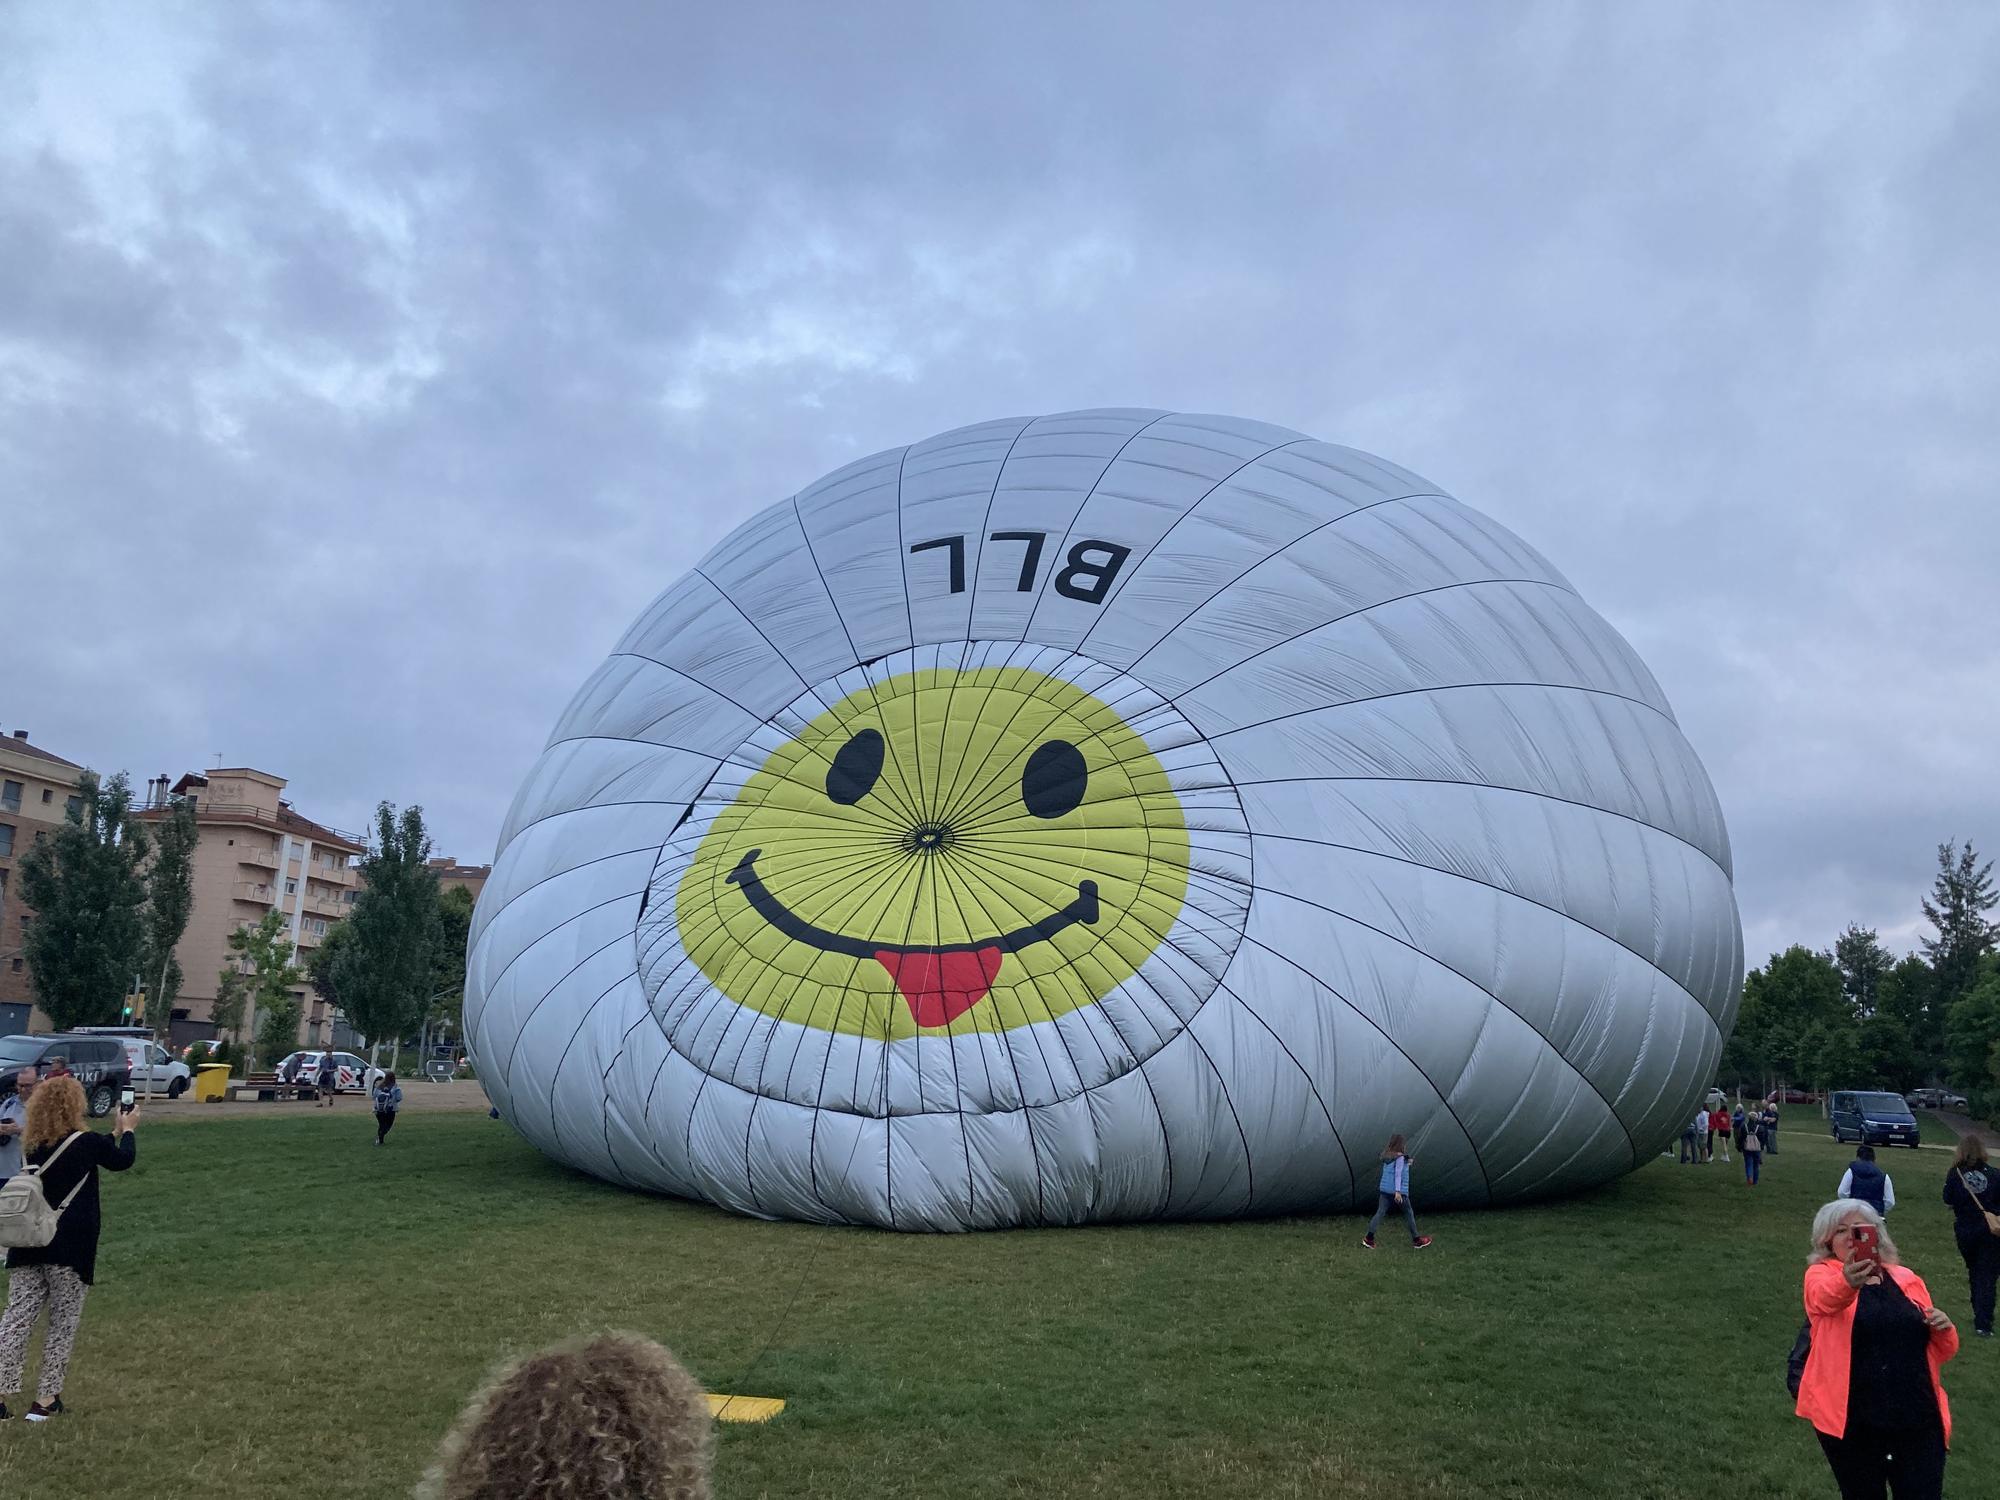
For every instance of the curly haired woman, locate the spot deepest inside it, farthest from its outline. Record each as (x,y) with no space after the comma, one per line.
(59,1274)
(609,1418)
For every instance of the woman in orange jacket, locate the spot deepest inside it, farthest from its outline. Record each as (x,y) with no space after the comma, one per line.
(1873,1386)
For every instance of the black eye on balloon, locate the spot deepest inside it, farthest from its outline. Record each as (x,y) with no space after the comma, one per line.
(1055,780)
(854,770)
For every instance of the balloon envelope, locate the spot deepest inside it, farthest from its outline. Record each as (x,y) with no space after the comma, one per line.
(1110,815)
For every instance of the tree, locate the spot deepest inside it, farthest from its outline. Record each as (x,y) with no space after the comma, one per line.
(1796,994)
(1885,1053)
(263,952)
(232,993)
(169,902)
(383,974)
(1906,993)
(324,965)
(446,1015)
(1961,895)
(85,944)
(1972,1033)
(1863,963)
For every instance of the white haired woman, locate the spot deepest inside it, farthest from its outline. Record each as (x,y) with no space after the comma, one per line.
(1873,1386)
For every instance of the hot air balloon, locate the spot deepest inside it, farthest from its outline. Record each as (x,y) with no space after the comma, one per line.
(1113,815)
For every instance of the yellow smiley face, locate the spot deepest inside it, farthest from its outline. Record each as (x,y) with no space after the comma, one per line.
(945,850)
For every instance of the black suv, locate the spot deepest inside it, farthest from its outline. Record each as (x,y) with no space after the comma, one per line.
(97,1062)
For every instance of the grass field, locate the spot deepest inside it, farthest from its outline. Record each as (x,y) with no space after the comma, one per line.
(283,1310)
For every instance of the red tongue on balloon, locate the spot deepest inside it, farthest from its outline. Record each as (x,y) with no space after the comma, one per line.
(941,987)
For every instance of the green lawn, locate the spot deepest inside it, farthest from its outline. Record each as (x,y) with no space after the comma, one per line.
(282,1310)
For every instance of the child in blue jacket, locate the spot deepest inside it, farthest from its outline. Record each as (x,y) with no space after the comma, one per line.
(1394,1189)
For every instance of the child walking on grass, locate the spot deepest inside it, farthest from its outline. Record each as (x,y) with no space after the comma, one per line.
(1394,1190)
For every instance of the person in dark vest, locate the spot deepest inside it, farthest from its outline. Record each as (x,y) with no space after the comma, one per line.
(1867,1183)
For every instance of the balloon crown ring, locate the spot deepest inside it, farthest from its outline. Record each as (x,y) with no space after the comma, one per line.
(929,838)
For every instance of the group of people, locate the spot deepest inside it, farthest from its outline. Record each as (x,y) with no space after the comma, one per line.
(42,1131)
(1754,1132)
(384,1093)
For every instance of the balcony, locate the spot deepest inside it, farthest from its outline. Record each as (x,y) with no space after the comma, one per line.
(265,857)
(320,906)
(253,890)
(342,875)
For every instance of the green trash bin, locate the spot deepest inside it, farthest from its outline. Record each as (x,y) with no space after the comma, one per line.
(211,1082)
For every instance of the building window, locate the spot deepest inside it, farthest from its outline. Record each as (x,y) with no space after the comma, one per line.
(17,966)
(74,807)
(291,887)
(10,795)
(41,837)
(48,796)
(6,838)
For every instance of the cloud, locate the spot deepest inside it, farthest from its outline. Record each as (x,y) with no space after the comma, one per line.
(364,369)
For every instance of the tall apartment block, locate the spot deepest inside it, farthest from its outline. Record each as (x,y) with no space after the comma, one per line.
(37,787)
(256,854)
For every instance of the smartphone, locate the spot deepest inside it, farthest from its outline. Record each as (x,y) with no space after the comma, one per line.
(1867,1242)
(125,1099)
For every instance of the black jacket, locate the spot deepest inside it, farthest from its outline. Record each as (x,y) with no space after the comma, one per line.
(1984,1185)
(75,1244)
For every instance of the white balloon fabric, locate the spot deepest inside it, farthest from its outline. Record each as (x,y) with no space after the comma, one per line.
(1105,816)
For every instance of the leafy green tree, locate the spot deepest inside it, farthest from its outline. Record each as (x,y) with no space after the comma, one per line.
(85,944)
(383,973)
(263,951)
(232,993)
(1972,1033)
(1906,993)
(1961,895)
(1885,1053)
(1830,1053)
(169,903)
(1863,963)
(454,932)
(1796,994)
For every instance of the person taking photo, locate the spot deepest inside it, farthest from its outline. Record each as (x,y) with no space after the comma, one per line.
(58,1275)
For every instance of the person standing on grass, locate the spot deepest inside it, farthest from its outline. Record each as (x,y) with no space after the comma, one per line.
(1737,1126)
(1393,1190)
(59,1274)
(327,1076)
(1873,1386)
(1753,1151)
(1719,1118)
(1972,1188)
(1770,1124)
(388,1099)
(1689,1150)
(14,1120)
(1867,1182)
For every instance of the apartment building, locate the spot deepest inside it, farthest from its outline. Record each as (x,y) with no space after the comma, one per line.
(452,875)
(37,789)
(256,853)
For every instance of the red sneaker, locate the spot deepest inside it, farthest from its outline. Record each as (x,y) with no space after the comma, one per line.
(1421,1242)
(1367,1242)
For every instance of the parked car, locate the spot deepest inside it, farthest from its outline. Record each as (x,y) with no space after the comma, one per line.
(351,1074)
(1792,1095)
(96,1062)
(1880,1119)
(1935,1099)
(153,1064)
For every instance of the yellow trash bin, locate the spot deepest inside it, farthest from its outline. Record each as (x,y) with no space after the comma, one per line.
(211,1082)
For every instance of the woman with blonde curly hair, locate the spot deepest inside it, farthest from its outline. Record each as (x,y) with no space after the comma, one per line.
(59,1274)
(1873,1386)
(609,1418)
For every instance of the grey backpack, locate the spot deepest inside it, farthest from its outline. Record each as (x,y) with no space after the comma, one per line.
(26,1220)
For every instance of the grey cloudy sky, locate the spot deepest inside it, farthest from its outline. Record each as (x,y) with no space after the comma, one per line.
(364,369)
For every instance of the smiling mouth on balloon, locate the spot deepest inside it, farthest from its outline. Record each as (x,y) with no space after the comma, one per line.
(939,983)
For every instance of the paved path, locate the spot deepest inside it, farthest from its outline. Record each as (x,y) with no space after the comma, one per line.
(418,1097)
(1964,1125)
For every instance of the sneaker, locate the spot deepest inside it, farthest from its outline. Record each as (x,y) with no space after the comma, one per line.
(41,1413)
(1984,1333)
(1367,1242)
(1421,1242)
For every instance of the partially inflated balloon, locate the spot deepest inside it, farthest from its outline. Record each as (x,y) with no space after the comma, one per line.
(1113,815)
